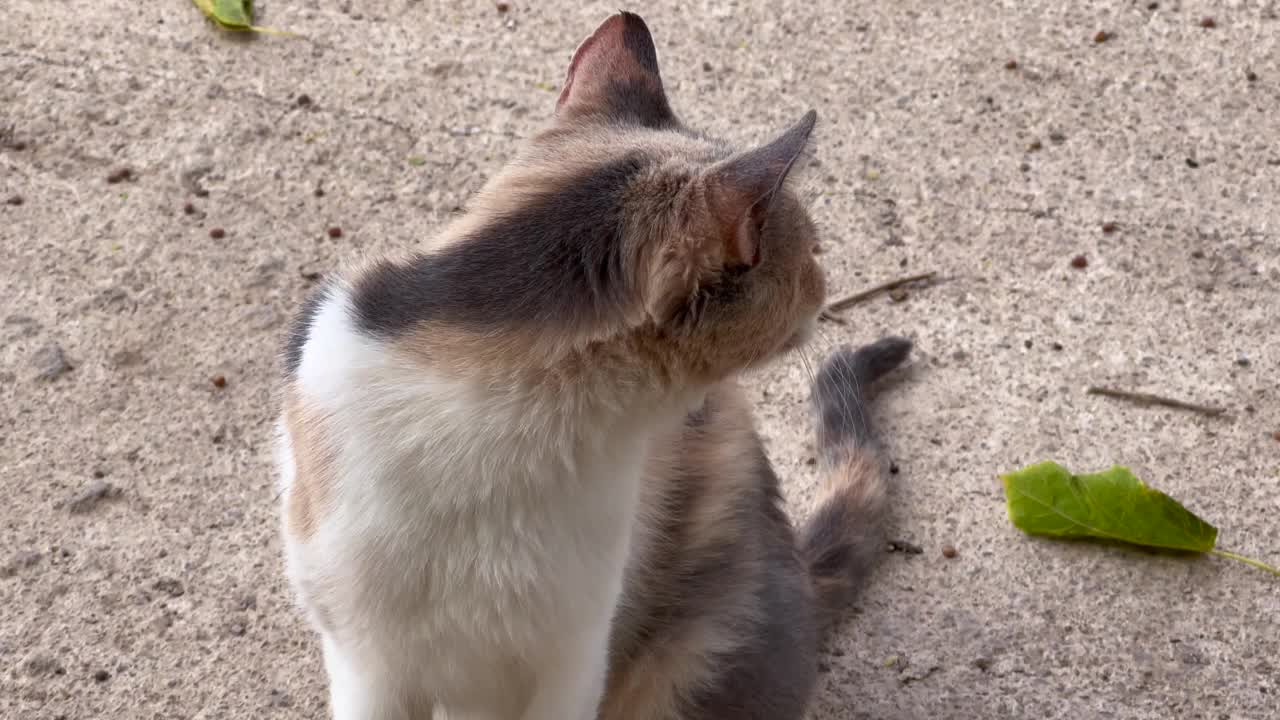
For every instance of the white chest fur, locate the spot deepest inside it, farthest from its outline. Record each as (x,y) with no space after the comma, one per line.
(467,530)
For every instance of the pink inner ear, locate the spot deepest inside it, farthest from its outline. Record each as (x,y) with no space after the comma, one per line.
(743,248)
(610,29)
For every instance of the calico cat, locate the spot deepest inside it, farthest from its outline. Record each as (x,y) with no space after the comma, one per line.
(519,478)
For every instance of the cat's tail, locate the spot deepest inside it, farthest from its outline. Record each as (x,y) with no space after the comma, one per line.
(843,537)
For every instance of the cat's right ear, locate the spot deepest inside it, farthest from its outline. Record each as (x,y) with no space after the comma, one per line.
(740,191)
(737,199)
(614,77)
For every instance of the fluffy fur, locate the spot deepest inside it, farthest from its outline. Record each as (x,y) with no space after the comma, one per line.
(519,480)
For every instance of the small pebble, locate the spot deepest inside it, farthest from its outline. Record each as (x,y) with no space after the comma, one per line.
(335,232)
(21,561)
(119,175)
(14,200)
(127,358)
(1276,436)
(949,551)
(1057,137)
(503,7)
(170,586)
(1011,64)
(304,100)
(318,192)
(101,676)
(162,622)
(894,469)
(1057,346)
(1251,76)
(87,500)
(1027,344)
(27,559)
(41,664)
(1192,163)
(1079,262)
(1197,254)
(188,209)
(1108,227)
(219,381)
(1102,36)
(51,362)
(706,66)
(898,295)
(1035,146)
(1208,22)
(279,698)
(217,233)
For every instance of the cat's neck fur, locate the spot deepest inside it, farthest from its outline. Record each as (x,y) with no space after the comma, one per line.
(532,409)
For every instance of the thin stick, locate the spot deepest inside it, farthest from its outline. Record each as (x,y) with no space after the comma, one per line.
(1149,399)
(905,547)
(1248,561)
(847,302)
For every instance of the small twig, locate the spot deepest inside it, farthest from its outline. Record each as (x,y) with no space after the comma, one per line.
(1149,399)
(903,546)
(847,302)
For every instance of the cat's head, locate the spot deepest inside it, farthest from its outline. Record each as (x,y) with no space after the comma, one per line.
(632,227)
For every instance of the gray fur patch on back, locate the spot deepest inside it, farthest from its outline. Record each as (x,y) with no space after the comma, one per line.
(557,261)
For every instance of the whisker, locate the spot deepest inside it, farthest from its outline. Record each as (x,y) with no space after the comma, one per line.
(822,333)
(852,403)
(803,352)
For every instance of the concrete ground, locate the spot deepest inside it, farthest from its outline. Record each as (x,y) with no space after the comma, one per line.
(141,574)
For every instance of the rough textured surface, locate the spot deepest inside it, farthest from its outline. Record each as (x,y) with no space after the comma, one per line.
(166,600)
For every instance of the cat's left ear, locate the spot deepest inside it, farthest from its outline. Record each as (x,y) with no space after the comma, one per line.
(614,76)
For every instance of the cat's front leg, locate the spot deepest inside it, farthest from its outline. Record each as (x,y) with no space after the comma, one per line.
(570,684)
(357,693)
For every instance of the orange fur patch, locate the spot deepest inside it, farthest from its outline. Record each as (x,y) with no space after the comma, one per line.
(311,494)
(856,482)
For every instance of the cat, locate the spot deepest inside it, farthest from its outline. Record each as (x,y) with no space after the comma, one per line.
(519,478)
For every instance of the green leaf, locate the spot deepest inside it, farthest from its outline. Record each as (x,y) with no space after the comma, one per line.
(1046,499)
(233,15)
